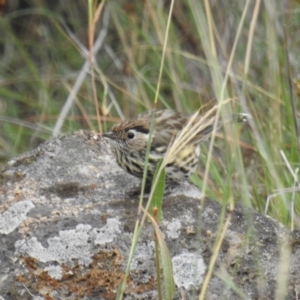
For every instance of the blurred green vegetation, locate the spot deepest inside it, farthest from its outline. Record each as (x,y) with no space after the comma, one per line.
(44,46)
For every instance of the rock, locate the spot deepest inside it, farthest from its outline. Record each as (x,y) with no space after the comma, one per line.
(67,221)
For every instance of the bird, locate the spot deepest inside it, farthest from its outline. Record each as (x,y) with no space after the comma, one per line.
(175,135)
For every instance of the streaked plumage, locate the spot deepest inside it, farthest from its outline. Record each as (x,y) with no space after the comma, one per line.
(129,142)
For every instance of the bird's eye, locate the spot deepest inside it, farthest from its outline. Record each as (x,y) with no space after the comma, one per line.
(130,135)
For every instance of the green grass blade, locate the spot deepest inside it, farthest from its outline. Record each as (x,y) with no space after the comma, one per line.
(165,259)
(158,193)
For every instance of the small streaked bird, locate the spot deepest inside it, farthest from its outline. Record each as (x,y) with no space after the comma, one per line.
(129,140)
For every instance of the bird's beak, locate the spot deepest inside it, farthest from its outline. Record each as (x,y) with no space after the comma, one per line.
(110,135)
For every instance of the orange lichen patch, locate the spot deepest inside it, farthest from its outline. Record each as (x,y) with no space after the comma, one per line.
(38,286)
(140,288)
(30,263)
(100,279)
(52,283)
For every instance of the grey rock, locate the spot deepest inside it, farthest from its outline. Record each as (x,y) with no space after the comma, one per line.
(66,224)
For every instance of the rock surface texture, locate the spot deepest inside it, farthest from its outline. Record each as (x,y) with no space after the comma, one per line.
(66,226)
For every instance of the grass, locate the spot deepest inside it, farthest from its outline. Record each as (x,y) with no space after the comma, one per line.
(244,53)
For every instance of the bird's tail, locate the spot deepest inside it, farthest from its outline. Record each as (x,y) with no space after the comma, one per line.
(209,124)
